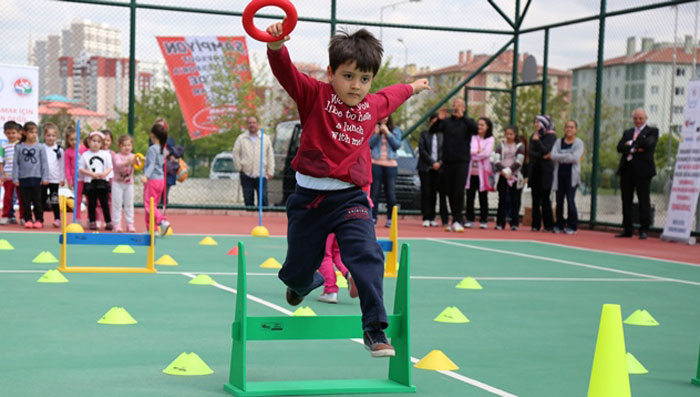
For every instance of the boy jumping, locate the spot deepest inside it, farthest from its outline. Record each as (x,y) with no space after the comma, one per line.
(332,164)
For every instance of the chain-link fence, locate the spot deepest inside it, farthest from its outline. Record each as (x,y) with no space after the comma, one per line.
(84,49)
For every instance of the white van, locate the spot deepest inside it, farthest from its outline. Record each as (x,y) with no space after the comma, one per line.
(222,167)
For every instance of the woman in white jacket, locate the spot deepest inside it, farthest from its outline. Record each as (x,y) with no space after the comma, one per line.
(566,154)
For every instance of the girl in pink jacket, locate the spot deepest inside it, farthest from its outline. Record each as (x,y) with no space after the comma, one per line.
(480,172)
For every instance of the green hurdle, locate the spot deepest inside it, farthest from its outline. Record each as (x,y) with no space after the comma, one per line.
(262,328)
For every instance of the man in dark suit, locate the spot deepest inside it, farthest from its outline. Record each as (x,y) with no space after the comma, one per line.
(429,164)
(636,170)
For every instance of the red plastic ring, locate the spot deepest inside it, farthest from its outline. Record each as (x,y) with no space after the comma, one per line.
(290,22)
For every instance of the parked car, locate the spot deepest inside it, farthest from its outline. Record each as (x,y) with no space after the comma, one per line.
(286,144)
(222,167)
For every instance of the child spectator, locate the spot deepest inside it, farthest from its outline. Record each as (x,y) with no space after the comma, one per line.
(330,286)
(480,172)
(7,157)
(123,185)
(31,173)
(69,153)
(566,154)
(509,158)
(54,158)
(95,166)
(153,177)
(332,163)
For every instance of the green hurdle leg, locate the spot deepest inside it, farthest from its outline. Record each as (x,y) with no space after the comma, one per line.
(319,327)
(696,379)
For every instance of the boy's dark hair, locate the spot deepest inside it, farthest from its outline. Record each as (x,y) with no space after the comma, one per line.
(361,47)
(11,125)
(108,132)
(161,135)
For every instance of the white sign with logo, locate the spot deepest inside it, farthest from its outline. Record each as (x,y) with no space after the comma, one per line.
(686,175)
(19,95)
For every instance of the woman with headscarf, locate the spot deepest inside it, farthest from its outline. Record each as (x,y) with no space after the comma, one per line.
(542,172)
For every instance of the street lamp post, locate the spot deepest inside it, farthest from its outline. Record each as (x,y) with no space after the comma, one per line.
(405,57)
(405,74)
(392,6)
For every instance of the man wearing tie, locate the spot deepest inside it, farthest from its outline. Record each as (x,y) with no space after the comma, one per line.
(636,170)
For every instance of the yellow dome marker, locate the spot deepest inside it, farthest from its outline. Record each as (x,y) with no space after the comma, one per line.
(436,360)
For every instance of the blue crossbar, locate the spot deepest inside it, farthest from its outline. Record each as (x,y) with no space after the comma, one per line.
(106,239)
(386,245)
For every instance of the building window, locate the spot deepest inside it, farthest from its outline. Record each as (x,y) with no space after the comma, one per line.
(680,72)
(654,89)
(655,71)
(653,108)
(617,90)
(617,72)
(497,78)
(680,90)
(678,110)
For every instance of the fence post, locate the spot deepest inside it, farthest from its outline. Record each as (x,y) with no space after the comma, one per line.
(514,87)
(132,66)
(596,121)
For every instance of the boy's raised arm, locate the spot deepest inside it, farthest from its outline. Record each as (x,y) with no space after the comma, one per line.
(298,85)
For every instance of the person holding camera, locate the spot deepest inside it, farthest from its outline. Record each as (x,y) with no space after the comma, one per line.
(384,143)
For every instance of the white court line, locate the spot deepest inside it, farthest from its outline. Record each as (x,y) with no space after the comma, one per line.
(486,278)
(451,374)
(651,258)
(543,258)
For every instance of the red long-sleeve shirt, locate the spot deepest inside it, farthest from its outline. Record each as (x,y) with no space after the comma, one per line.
(335,141)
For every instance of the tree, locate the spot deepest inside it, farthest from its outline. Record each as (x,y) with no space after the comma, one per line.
(661,154)
(611,125)
(62,119)
(529,105)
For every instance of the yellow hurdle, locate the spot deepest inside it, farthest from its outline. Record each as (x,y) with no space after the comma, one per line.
(391,264)
(106,239)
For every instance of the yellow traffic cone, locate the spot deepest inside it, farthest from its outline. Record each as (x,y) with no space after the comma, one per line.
(609,376)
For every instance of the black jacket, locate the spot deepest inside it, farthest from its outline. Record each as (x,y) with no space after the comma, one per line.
(642,161)
(457,138)
(425,145)
(542,169)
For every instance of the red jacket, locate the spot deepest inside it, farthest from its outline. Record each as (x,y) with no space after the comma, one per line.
(335,141)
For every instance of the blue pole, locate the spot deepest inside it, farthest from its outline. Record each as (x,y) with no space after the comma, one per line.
(76,199)
(260,178)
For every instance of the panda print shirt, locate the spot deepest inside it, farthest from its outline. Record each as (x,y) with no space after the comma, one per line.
(97,162)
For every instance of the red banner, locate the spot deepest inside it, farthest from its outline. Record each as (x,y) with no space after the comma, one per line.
(193,63)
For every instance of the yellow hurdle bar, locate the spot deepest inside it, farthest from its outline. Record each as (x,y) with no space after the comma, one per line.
(63,261)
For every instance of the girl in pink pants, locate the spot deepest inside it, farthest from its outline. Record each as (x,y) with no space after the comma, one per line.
(330,287)
(153,177)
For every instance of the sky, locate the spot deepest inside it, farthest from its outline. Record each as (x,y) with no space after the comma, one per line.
(571,46)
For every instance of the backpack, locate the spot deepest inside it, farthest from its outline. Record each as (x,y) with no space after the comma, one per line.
(182,173)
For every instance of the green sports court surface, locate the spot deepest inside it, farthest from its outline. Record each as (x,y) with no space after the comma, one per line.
(532,329)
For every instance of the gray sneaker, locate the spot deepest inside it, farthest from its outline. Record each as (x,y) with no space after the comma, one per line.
(164,226)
